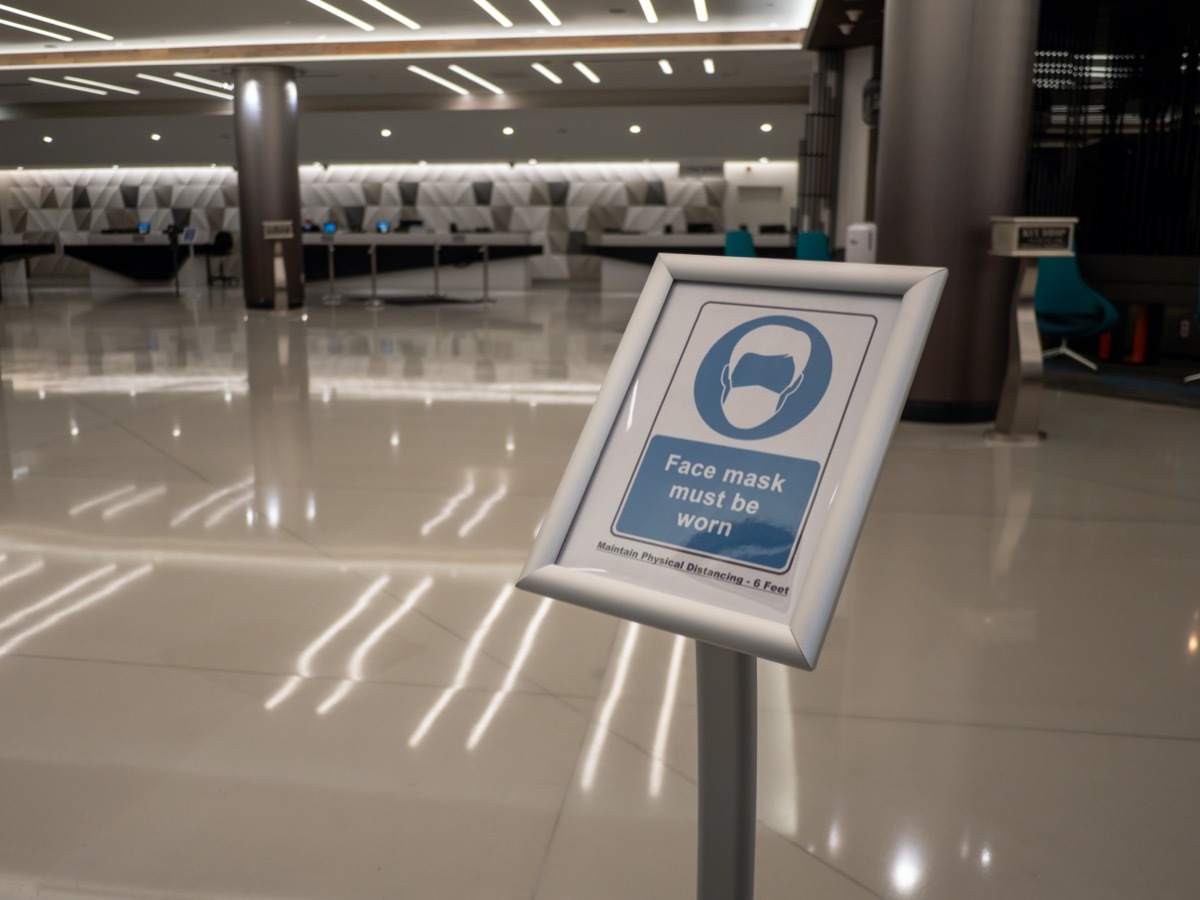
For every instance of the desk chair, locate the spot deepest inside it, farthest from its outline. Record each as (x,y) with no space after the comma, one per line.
(739,243)
(812,245)
(1067,308)
(221,247)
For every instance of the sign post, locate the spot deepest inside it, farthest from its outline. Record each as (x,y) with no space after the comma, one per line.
(722,478)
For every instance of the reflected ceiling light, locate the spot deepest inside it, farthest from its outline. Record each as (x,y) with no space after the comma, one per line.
(765,126)
(539,68)
(494,13)
(710,67)
(471,76)
(342,14)
(701,11)
(451,505)
(67,25)
(219,515)
(437,79)
(464,668)
(57,595)
(587,72)
(140,499)
(907,871)
(90,600)
(208,501)
(547,12)
(101,500)
(304,664)
(392,14)
(100,84)
(70,87)
(186,87)
(635,129)
(600,729)
(665,713)
(41,31)
(510,680)
(648,11)
(484,508)
(220,85)
(665,65)
(23,572)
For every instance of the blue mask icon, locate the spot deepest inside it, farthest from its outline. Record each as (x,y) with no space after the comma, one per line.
(765,369)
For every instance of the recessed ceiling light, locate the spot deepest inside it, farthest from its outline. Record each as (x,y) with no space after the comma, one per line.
(20,12)
(423,163)
(665,66)
(219,85)
(635,129)
(494,13)
(533,162)
(41,31)
(385,132)
(766,126)
(156,137)
(70,87)
(701,11)
(648,11)
(587,72)
(710,67)
(100,84)
(391,13)
(547,12)
(471,76)
(507,129)
(538,67)
(186,87)
(438,79)
(763,159)
(342,14)
(47,139)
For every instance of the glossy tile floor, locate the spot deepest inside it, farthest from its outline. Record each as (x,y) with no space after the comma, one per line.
(258,637)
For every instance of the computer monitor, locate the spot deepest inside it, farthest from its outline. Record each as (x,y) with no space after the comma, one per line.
(329,227)
(189,236)
(143,227)
(383,227)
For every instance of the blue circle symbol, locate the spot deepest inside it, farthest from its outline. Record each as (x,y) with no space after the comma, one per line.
(763,378)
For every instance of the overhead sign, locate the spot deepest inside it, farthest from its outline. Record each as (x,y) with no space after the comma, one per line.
(278,230)
(1033,236)
(722,478)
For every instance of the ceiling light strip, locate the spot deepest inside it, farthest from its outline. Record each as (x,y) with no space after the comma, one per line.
(342,14)
(219,85)
(438,79)
(648,11)
(665,65)
(547,12)
(542,70)
(70,87)
(42,31)
(471,76)
(710,67)
(28,15)
(701,11)
(100,84)
(494,13)
(587,73)
(186,87)
(392,14)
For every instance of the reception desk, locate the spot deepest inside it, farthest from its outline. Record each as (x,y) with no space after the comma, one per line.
(14,250)
(379,264)
(626,258)
(130,261)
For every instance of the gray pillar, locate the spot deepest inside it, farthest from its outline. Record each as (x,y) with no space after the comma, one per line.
(265,114)
(953,137)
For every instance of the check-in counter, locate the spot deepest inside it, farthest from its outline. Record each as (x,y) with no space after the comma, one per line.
(469,262)
(15,249)
(124,261)
(626,258)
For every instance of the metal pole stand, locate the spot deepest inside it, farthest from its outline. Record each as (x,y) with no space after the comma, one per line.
(374,300)
(437,269)
(1020,409)
(332,298)
(486,254)
(727,698)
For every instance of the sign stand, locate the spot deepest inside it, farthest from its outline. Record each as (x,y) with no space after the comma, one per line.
(727,711)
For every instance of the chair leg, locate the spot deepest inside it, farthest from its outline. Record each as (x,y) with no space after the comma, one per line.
(1063,350)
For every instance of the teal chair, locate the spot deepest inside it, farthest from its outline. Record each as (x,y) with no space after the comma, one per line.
(739,243)
(1067,308)
(812,245)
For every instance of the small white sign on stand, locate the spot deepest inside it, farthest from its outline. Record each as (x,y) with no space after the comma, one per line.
(721,481)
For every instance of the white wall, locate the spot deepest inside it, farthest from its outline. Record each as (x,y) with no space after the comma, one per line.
(854,157)
(760,193)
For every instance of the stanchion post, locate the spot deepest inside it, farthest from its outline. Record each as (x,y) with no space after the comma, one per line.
(486,254)
(332,298)
(437,269)
(374,298)
(727,713)
(1020,408)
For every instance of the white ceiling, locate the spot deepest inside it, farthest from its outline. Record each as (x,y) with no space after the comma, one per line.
(344,69)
